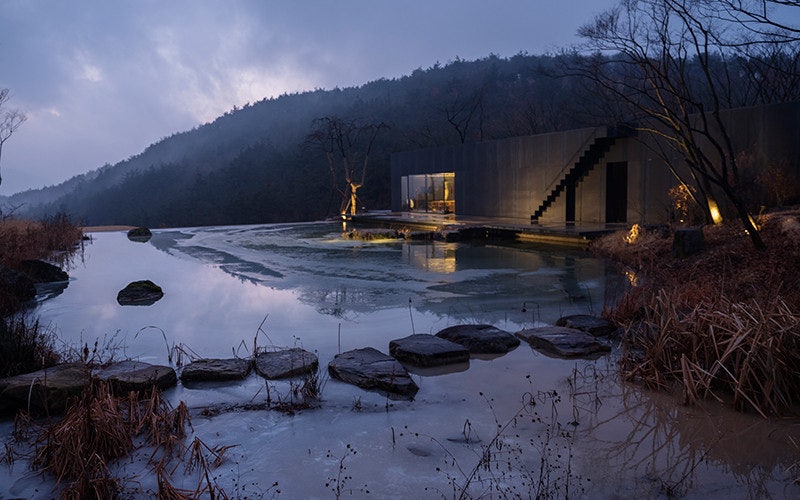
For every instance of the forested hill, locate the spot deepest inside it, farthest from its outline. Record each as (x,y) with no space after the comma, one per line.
(257,164)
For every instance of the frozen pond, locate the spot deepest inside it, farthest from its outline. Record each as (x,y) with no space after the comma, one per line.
(303,285)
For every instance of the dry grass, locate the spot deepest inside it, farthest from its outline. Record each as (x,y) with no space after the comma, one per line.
(101,427)
(53,238)
(26,347)
(722,323)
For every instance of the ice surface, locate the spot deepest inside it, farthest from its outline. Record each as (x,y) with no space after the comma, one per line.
(303,285)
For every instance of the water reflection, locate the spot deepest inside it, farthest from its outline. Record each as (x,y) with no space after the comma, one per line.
(344,278)
(674,450)
(227,289)
(432,257)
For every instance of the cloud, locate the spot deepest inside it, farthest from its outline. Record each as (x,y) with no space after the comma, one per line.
(102,80)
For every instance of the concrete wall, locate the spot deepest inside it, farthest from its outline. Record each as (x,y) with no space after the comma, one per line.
(510,177)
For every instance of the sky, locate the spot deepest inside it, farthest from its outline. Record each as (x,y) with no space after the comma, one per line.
(100,80)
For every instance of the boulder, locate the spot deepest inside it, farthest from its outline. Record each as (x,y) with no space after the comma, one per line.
(140,293)
(40,271)
(44,391)
(16,284)
(427,350)
(480,339)
(140,235)
(687,241)
(286,363)
(597,327)
(563,342)
(137,376)
(204,370)
(371,369)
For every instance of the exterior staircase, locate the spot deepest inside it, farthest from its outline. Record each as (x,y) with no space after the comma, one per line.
(592,154)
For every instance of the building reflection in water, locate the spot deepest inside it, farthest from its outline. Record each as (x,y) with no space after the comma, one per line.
(432,257)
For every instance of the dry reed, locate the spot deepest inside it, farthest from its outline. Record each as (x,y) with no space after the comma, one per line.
(723,323)
(27,346)
(53,238)
(101,427)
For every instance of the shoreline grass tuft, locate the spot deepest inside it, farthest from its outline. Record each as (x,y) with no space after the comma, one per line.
(723,323)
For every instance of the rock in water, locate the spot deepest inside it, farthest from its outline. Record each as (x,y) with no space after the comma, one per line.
(427,350)
(480,339)
(204,370)
(371,369)
(140,235)
(42,272)
(286,363)
(563,342)
(140,293)
(16,284)
(597,327)
(131,375)
(44,391)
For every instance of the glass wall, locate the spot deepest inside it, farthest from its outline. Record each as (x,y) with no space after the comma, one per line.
(429,193)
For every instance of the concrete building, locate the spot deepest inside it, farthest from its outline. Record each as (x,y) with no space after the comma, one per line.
(592,175)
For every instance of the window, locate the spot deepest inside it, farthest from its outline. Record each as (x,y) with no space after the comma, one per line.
(429,193)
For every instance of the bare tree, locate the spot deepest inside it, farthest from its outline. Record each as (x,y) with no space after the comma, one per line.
(668,62)
(760,17)
(347,146)
(462,108)
(11,120)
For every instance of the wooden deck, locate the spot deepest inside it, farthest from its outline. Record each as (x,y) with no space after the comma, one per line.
(575,235)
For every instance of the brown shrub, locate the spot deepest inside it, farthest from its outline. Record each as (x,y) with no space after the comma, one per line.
(724,322)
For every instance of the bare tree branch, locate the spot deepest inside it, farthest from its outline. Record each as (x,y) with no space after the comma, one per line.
(11,121)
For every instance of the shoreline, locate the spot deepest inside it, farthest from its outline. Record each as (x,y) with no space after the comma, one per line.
(106,229)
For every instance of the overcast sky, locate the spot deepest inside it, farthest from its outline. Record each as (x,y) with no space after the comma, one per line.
(100,80)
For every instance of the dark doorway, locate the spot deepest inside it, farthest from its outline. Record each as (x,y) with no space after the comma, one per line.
(617,192)
(570,201)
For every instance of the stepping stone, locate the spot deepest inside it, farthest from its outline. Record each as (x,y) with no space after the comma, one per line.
(286,363)
(597,327)
(480,339)
(140,293)
(371,369)
(137,376)
(204,370)
(49,390)
(563,342)
(427,350)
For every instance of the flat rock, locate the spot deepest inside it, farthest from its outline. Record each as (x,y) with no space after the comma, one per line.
(204,370)
(480,339)
(597,327)
(132,375)
(140,293)
(427,350)
(286,363)
(563,342)
(371,369)
(49,390)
